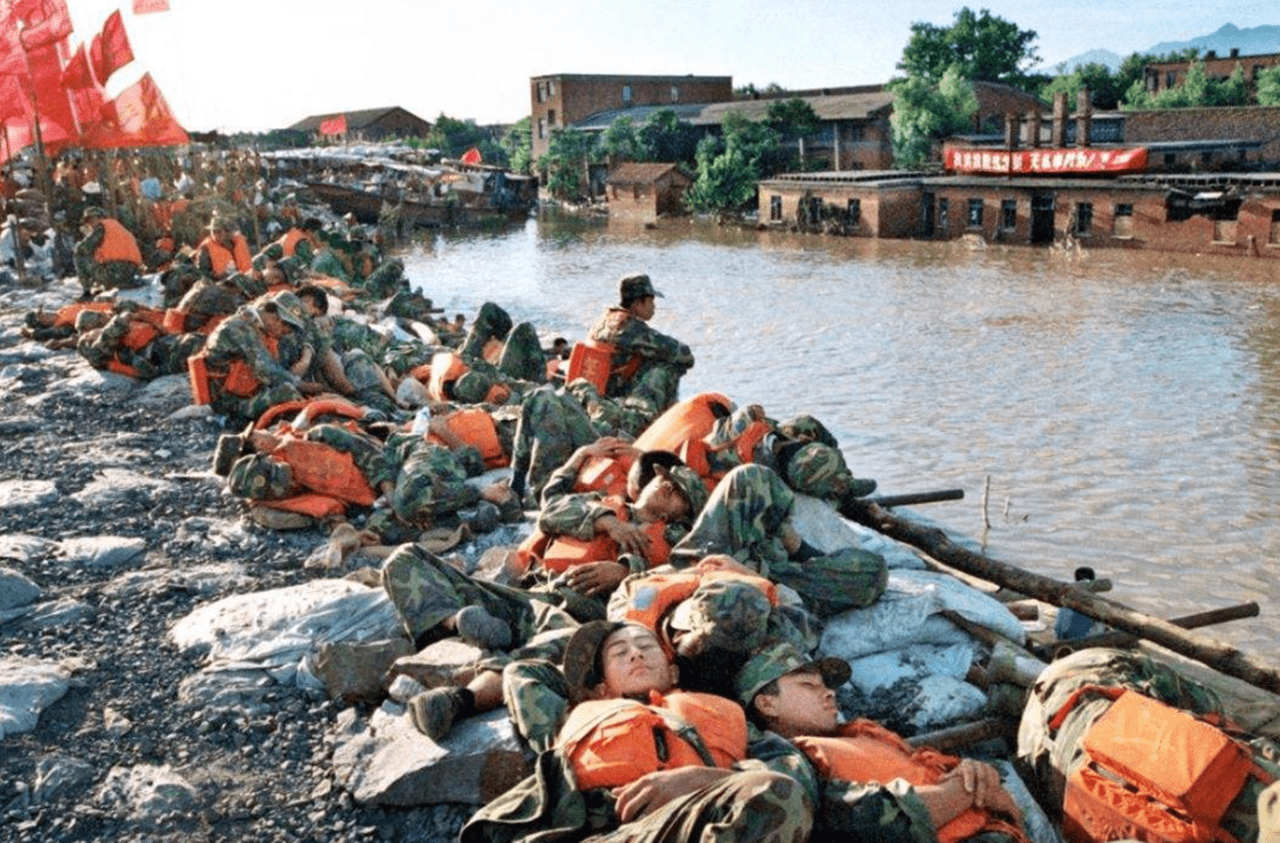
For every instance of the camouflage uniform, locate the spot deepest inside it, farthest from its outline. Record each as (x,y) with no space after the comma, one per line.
(242,337)
(261,477)
(386,281)
(426,591)
(429,487)
(746,517)
(551,427)
(326,262)
(108,274)
(626,417)
(165,355)
(522,355)
(664,360)
(1052,756)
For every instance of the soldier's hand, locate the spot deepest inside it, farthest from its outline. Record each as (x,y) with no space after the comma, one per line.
(722,562)
(630,538)
(596,578)
(652,791)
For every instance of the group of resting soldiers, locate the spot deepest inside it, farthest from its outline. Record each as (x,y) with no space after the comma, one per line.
(655,645)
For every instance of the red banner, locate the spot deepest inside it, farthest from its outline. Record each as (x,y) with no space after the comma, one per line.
(43,22)
(49,97)
(110,50)
(87,96)
(334,125)
(142,7)
(1044,162)
(471,156)
(76,75)
(139,116)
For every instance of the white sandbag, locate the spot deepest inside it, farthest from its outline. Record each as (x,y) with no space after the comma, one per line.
(820,525)
(880,671)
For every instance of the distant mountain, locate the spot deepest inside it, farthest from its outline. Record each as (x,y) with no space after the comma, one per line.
(1105,58)
(1258,40)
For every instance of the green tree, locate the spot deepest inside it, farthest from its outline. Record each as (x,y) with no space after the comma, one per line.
(793,119)
(565,163)
(924,113)
(750,91)
(981,47)
(518,144)
(728,167)
(1105,88)
(622,141)
(1268,83)
(666,138)
(454,137)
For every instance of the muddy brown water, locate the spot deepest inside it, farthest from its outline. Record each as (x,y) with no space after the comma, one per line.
(1124,407)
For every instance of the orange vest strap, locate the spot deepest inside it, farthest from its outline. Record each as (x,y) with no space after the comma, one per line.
(198,373)
(565,551)
(475,427)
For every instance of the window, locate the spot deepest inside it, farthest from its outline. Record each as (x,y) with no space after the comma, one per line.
(551,89)
(626,95)
(813,210)
(1122,220)
(1275,226)
(675,94)
(1009,214)
(857,133)
(542,92)
(775,208)
(1170,78)
(944,215)
(855,211)
(1206,157)
(975,213)
(551,117)
(1084,219)
(542,127)
(1170,159)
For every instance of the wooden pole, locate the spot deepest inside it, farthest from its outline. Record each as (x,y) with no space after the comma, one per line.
(1221,657)
(1125,639)
(965,734)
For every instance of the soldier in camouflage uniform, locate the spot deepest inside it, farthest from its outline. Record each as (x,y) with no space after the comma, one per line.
(244,337)
(109,274)
(293,252)
(662,360)
(749,801)
(522,356)
(748,517)
(793,697)
(165,355)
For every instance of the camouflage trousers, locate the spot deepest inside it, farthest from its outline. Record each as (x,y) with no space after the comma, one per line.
(522,354)
(552,425)
(118,275)
(240,411)
(367,378)
(427,591)
(651,390)
(431,484)
(743,807)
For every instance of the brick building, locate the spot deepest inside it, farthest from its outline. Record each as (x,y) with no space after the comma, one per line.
(563,99)
(1259,125)
(645,191)
(1163,75)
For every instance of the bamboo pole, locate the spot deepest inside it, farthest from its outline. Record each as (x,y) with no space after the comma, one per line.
(1221,657)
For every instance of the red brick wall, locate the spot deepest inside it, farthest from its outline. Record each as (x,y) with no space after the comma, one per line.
(1258,123)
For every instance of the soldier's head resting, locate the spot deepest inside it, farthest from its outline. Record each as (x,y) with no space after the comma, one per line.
(790,694)
(611,660)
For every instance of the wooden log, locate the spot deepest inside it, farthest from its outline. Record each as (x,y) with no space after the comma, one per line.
(962,735)
(1005,595)
(1217,655)
(1112,638)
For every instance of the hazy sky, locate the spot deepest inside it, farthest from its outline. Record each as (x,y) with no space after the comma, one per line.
(260,64)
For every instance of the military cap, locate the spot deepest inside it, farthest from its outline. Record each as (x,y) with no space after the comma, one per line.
(92,212)
(634,287)
(259,477)
(290,309)
(729,614)
(779,660)
(690,485)
(819,470)
(583,668)
(807,429)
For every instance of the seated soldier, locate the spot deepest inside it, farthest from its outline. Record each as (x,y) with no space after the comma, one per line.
(639,759)
(917,794)
(224,252)
(647,365)
(108,256)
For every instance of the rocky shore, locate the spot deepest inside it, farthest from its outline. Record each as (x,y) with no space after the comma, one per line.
(112,529)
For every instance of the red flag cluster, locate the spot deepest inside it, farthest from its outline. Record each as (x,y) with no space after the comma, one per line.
(65,99)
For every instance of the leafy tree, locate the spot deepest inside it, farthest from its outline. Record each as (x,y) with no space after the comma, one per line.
(981,47)
(793,119)
(565,162)
(1104,88)
(518,144)
(622,141)
(666,138)
(1268,83)
(454,137)
(729,166)
(1196,91)
(749,90)
(924,113)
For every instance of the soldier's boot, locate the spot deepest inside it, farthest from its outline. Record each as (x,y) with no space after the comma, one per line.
(481,629)
(434,711)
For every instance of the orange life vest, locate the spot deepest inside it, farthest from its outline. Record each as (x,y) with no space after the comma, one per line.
(475,427)
(237,380)
(563,552)
(289,242)
(310,504)
(867,752)
(682,429)
(650,598)
(326,470)
(221,258)
(311,409)
(608,743)
(593,360)
(605,474)
(1152,772)
(117,244)
(66,316)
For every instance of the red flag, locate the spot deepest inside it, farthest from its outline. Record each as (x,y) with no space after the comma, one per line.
(48,96)
(110,50)
(86,94)
(141,7)
(76,75)
(471,156)
(44,22)
(13,100)
(139,116)
(334,125)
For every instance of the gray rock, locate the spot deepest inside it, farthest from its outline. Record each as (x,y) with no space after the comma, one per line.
(404,688)
(27,687)
(20,425)
(389,762)
(25,352)
(16,493)
(101,551)
(16,590)
(447,662)
(192,412)
(354,672)
(201,579)
(24,548)
(148,793)
(240,691)
(58,773)
(65,611)
(167,393)
(115,484)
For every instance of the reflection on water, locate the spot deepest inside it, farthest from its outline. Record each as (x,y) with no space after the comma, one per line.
(1125,406)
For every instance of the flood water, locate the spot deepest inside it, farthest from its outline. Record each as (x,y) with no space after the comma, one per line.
(1121,410)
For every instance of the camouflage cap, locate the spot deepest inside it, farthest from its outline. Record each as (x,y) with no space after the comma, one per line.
(806,428)
(92,212)
(729,614)
(633,287)
(259,477)
(691,486)
(779,660)
(582,667)
(472,388)
(291,309)
(819,470)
